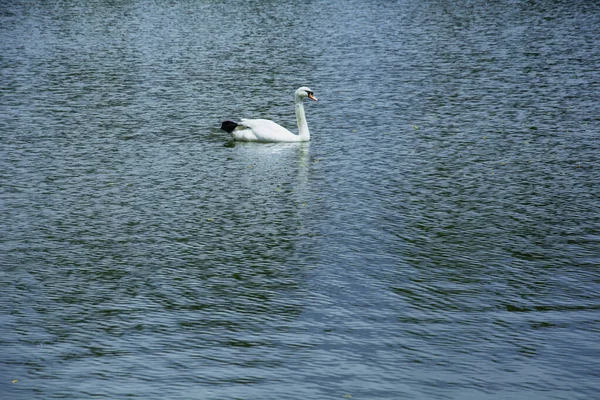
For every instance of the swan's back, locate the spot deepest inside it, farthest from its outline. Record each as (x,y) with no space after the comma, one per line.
(262,130)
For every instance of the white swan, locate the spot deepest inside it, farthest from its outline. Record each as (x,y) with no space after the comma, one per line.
(264,130)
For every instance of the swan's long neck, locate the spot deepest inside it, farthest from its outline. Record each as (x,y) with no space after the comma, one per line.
(303,132)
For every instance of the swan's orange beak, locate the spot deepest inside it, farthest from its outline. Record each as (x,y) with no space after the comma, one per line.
(312,97)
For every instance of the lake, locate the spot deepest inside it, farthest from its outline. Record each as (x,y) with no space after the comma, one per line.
(438,237)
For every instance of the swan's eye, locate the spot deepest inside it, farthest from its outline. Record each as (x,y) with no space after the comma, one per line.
(309,93)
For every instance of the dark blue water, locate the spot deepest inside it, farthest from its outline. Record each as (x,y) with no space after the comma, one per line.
(438,238)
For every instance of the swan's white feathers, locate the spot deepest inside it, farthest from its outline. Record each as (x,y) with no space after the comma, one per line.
(262,130)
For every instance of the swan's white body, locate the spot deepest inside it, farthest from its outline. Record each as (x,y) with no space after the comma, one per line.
(264,130)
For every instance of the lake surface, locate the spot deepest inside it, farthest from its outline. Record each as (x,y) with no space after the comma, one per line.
(438,238)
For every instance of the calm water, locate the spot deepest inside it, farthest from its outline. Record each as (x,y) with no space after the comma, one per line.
(439,237)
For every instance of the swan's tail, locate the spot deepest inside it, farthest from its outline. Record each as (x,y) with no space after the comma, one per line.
(228,126)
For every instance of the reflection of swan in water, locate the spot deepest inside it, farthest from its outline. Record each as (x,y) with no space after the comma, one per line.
(281,156)
(273,163)
(264,130)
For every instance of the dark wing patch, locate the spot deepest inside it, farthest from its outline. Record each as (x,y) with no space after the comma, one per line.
(228,126)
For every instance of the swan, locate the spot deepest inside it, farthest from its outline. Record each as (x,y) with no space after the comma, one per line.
(264,130)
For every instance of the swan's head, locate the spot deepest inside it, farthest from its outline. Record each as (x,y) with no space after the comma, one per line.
(305,92)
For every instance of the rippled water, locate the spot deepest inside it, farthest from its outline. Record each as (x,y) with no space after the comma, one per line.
(438,238)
